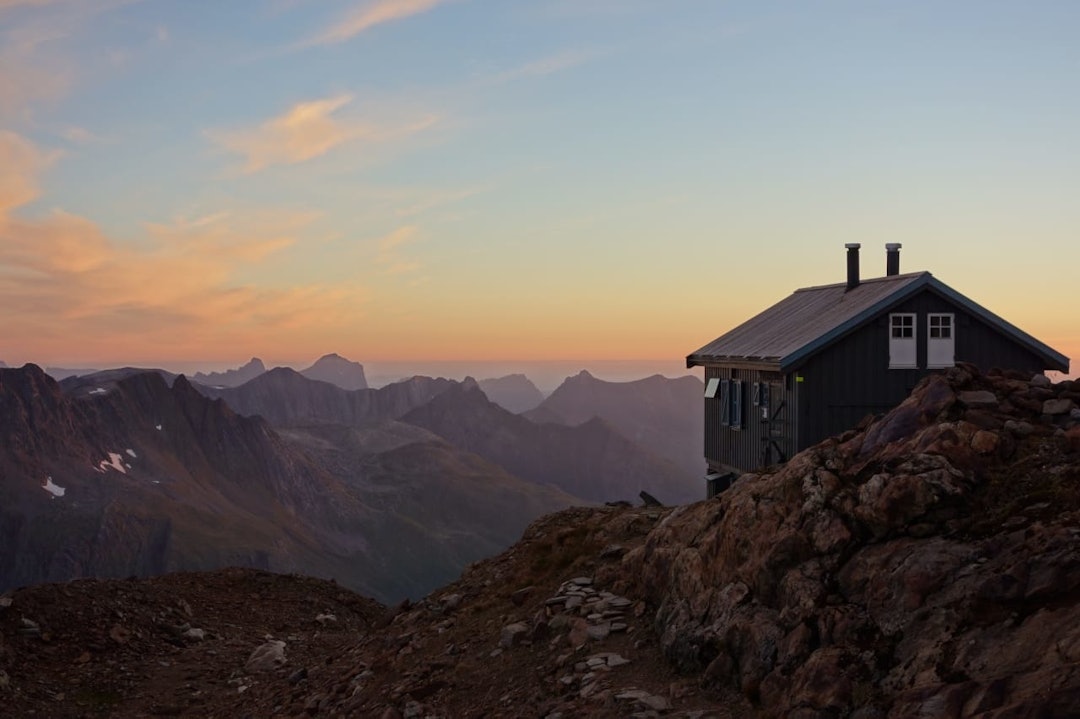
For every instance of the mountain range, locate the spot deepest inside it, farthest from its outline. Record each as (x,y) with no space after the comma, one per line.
(660,414)
(591,460)
(391,490)
(144,478)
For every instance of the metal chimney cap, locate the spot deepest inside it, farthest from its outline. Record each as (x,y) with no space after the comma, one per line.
(893,245)
(852,245)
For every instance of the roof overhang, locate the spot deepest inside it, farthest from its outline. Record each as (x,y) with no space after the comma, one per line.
(1054,359)
(765,365)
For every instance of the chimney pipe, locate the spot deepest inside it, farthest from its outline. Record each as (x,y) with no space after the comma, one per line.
(892,259)
(852,265)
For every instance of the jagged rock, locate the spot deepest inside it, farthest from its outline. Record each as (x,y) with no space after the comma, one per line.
(978,398)
(1019,428)
(1058,406)
(887,541)
(985,442)
(266,657)
(512,634)
(598,632)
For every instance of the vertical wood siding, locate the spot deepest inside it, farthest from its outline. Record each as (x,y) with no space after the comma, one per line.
(851,379)
(844,383)
(763,437)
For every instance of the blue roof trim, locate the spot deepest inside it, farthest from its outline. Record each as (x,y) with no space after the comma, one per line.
(835,333)
(1054,358)
(1008,328)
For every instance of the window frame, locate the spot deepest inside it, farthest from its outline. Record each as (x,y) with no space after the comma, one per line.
(931,340)
(908,340)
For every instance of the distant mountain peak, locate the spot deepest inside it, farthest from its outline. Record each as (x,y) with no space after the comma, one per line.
(337,370)
(514,392)
(233,377)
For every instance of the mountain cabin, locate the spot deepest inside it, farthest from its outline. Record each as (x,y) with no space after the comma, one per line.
(814,364)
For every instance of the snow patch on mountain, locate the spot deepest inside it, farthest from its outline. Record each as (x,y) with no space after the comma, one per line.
(114,462)
(54,489)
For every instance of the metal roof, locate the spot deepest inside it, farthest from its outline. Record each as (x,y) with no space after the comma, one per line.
(813,317)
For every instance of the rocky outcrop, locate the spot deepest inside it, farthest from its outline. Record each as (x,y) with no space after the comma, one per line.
(925,566)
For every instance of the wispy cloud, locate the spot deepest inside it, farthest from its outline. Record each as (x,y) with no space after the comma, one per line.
(37,63)
(433,199)
(546,66)
(80,136)
(389,254)
(8,4)
(369,14)
(21,163)
(306,131)
(65,282)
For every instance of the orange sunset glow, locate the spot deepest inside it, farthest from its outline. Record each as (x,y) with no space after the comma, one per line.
(617,182)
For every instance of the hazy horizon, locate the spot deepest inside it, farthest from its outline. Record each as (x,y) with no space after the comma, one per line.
(547,375)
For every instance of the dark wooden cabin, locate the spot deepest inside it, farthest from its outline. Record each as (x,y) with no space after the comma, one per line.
(817,362)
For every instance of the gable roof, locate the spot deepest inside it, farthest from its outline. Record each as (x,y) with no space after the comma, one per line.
(813,317)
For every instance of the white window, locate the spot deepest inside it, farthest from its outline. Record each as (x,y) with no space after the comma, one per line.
(711,387)
(902,347)
(940,341)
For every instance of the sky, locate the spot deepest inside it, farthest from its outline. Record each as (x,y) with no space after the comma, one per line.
(512,180)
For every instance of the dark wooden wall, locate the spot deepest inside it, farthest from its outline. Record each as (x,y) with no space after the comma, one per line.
(851,379)
(762,438)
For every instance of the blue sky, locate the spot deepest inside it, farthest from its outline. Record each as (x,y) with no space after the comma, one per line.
(551,179)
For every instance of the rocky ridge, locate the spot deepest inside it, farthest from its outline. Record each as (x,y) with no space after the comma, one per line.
(926,564)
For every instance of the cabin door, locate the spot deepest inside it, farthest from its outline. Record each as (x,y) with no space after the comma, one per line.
(775,420)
